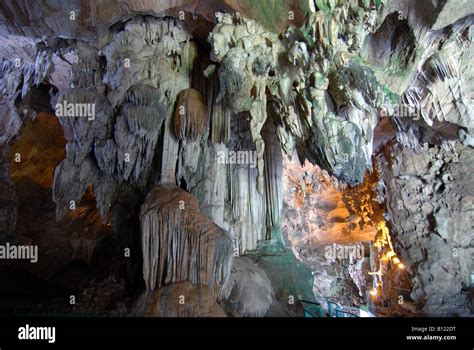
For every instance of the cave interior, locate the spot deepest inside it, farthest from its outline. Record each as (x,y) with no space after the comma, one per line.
(204,158)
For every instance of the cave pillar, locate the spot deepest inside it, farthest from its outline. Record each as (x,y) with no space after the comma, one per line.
(273,176)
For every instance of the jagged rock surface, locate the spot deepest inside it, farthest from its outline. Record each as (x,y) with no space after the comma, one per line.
(429,201)
(326,99)
(337,218)
(15,78)
(117,146)
(93,20)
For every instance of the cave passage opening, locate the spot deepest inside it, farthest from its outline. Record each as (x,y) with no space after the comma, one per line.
(341,233)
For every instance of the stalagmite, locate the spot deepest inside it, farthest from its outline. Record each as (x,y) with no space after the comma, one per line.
(180,243)
(249,292)
(178,300)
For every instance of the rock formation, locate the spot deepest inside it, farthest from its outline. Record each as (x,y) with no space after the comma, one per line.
(178,300)
(249,291)
(191,115)
(179,243)
(296,70)
(429,196)
(261,130)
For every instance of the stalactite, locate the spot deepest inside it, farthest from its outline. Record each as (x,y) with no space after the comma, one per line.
(302,72)
(220,123)
(170,108)
(191,115)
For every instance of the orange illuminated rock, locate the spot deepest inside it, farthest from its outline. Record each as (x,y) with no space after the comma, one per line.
(38,150)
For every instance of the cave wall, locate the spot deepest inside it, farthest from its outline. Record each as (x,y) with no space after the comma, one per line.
(429,202)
